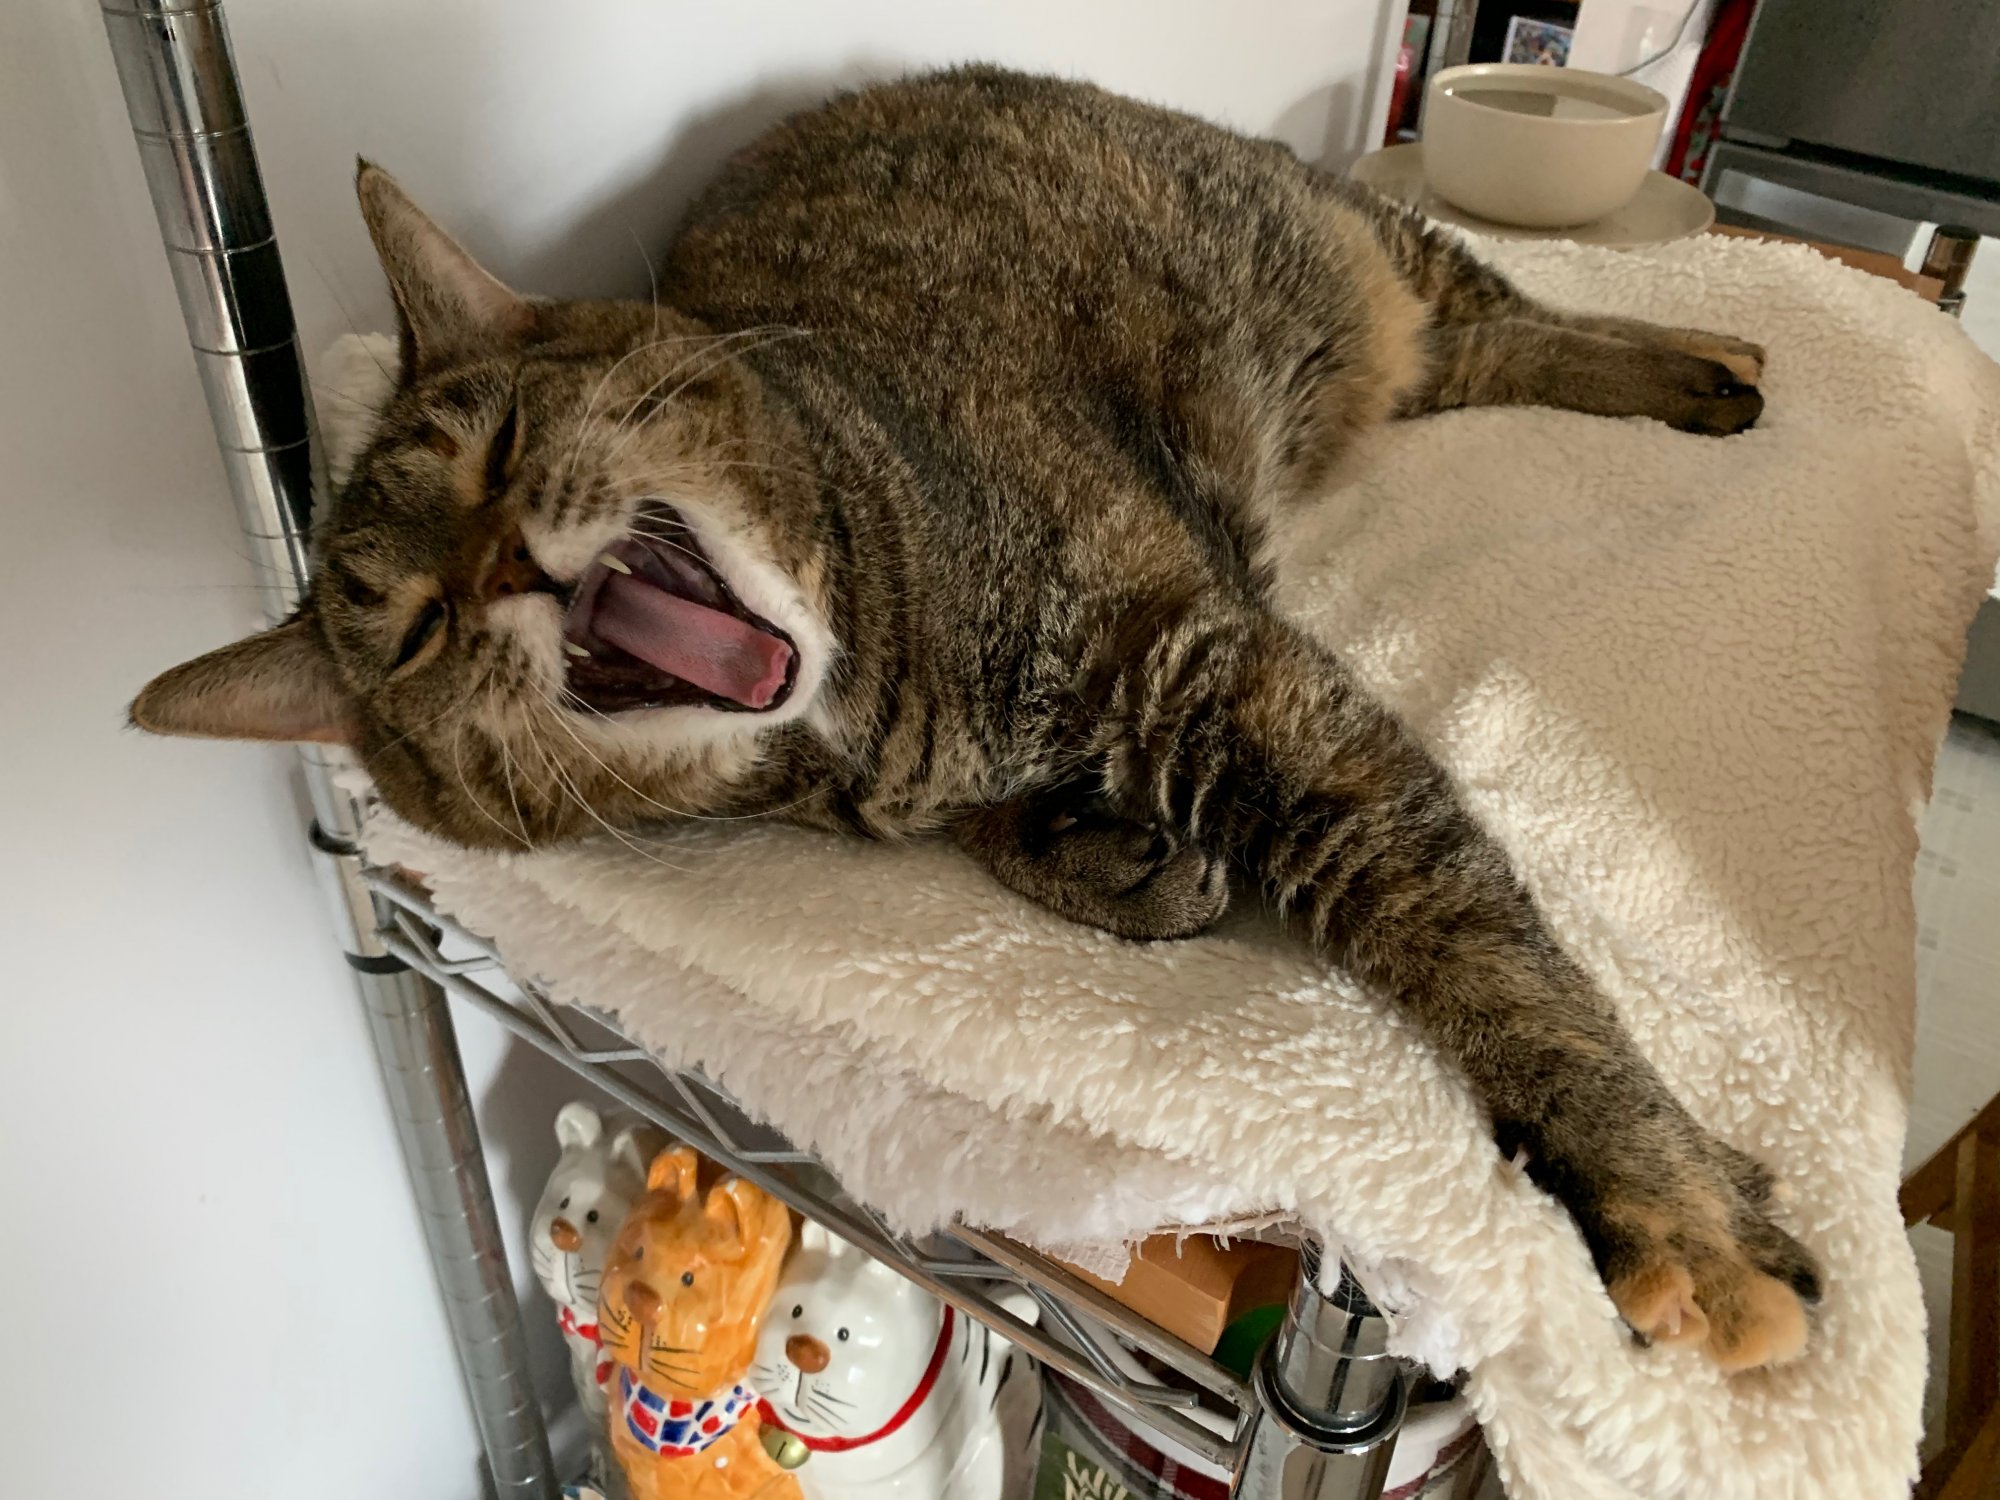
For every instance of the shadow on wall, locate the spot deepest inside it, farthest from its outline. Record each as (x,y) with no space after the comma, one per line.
(595,255)
(1323,113)
(632,225)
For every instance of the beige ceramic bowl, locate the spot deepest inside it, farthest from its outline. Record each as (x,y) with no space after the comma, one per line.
(1536,146)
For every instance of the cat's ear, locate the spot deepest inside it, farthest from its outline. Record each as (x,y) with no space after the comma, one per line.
(577,1124)
(674,1171)
(277,685)
(449,307)
(813,1236)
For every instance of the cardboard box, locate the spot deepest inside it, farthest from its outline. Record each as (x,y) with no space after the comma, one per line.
(1195,1288)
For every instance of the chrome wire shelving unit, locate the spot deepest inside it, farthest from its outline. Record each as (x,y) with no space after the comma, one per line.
(1316,1422)
(1320,1417)
(1078,1329)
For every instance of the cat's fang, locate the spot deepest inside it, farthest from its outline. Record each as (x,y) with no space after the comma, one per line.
(616,564)
(575,650)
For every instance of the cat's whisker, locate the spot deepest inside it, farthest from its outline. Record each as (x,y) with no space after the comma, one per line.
(747,817)
(481,681)
(765,335)
(583,422)
(507,775)
(637,414)
(584,807)
(640,528)
(694,469)
(561,722)
(478,802)
(662,404)
(652,279)
(320,392)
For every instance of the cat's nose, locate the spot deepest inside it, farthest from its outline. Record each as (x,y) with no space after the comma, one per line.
(808,1353)
(564,1236)
(642,1301)
(512,569)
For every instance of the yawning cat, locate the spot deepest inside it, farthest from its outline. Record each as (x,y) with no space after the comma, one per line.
(934,492)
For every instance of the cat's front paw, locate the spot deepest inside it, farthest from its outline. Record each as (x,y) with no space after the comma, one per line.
(1066,849)
(1131,880)
(1692,1257)
(1711,397)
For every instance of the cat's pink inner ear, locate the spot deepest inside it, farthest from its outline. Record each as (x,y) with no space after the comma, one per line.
(277,685)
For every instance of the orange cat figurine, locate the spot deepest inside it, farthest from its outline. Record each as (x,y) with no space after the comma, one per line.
(685,1289)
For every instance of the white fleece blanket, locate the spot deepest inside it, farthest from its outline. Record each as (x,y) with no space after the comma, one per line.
(1694,686)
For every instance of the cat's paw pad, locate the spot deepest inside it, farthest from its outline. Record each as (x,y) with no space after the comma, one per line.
(1741,1318)
(1079,857)
(1739,1293)
(1149,889)
(1657,1302)
(1766,1325)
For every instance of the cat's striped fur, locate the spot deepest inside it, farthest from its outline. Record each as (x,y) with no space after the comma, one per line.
(991,387)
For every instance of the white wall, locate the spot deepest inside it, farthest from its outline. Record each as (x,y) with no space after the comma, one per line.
(1657,42)
(211,1276)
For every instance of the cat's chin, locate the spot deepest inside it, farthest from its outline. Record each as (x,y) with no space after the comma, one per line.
(654,623)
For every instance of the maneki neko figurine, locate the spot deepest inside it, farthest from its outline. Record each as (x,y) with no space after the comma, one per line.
(598,1176)
(685,1291)
(891,1394)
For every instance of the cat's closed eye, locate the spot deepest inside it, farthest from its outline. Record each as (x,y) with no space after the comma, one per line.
(423,630)
(501,452)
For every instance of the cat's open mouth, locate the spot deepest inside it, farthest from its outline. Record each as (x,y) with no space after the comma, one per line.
(654,624)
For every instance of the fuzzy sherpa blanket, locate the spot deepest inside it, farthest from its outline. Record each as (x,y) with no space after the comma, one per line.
(1694,686)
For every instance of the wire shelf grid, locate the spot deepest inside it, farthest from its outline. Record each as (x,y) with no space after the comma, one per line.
(1037,1304)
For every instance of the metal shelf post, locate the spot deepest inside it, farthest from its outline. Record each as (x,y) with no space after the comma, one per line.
(179,80)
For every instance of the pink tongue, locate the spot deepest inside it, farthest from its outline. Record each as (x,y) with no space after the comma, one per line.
(715,651)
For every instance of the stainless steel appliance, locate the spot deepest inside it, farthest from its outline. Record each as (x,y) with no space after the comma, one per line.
(1890,105)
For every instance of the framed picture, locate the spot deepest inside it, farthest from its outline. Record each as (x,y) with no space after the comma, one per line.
(1533,41)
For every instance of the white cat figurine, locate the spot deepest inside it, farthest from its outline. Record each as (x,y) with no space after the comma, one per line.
(894,1395)
(601,1171)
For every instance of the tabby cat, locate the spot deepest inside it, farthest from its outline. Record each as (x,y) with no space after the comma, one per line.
(934,491)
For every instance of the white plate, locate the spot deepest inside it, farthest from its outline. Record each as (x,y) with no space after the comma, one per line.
(1665,209)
